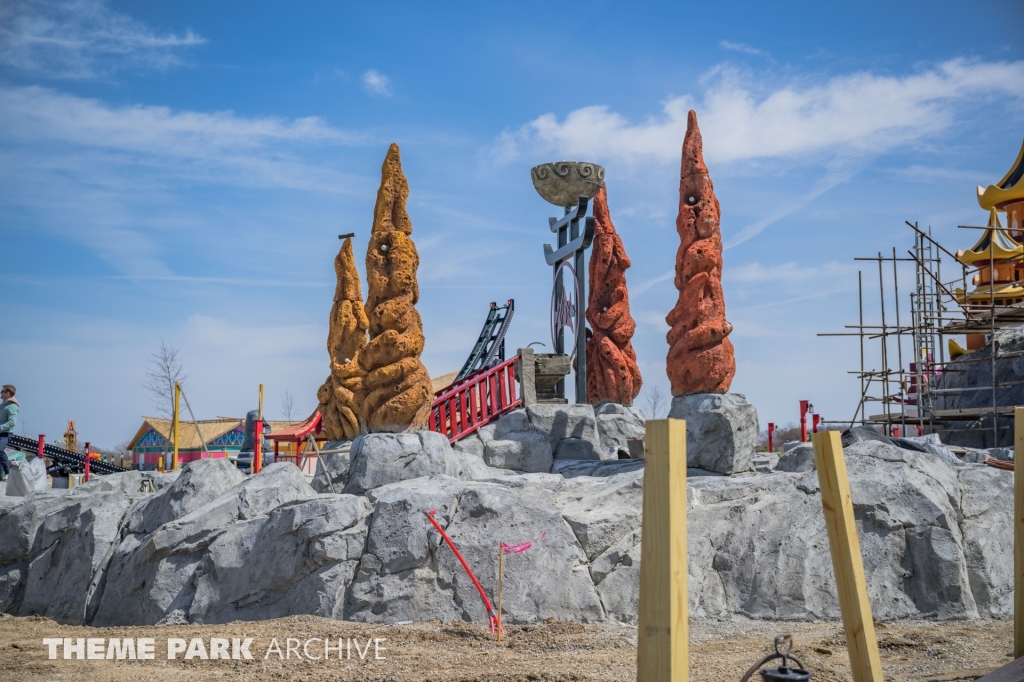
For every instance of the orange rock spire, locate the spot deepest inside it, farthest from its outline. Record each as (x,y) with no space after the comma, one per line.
(346,338)
(396,392)
(612,372)
(700,357)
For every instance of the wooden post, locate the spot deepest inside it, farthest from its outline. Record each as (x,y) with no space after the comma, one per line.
(663,645)
(1018,534)
(174,428)
(846,557)
(501,580)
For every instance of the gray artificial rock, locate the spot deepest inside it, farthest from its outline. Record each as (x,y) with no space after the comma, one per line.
(987,526)
(151,575)
(579,449)
(721,431)
(765,462)
(298,560)
(617,425)
(332,470)
(382,458)
(559,422)
(797,460)
(601,515)
(570,468)
(529,452)
(196,484)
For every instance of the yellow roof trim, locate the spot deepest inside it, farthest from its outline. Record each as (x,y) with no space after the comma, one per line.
(1009,189)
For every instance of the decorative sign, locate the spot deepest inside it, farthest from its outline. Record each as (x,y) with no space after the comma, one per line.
(566,310)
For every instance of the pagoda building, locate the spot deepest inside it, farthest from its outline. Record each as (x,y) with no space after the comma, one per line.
(998,256)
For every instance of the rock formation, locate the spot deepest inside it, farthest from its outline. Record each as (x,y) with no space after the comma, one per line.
(612,372)
(700,357)
(396,391)
(346,338)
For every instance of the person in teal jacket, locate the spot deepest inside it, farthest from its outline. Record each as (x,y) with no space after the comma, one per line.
(8,420)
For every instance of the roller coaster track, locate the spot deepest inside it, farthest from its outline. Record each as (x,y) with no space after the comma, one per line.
(489,349)
(64,459)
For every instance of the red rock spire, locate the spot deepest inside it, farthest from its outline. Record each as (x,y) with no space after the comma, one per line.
(700,357)
(612,372)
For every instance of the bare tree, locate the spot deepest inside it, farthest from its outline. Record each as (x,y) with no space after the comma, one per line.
(654,402)
(164,370)
(288,406)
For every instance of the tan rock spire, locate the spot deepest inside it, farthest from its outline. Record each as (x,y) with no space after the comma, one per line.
(346,338)
(612,372)
(396,392)
(700,357)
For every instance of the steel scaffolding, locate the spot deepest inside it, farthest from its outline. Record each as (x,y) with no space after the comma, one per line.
(905,391)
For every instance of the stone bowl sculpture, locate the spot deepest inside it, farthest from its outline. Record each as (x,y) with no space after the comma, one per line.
(562,183)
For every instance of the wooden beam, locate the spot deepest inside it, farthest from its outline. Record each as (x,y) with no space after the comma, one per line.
(1018,534)
(846,557)
(663,644)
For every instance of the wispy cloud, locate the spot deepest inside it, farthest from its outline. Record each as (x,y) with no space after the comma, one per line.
(218,146)
(739,47)
(858,114)
(82,39)
(377,83)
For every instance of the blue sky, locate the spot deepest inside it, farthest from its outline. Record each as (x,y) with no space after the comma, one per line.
(180,172)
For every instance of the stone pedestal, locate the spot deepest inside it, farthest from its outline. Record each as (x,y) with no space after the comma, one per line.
(721,431)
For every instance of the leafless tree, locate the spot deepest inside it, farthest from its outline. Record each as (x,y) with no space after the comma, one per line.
(655,402)
(288,406)
(164,370)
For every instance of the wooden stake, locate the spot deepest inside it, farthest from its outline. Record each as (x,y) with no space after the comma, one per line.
(847,562)
(1018,534)
(177,405)
(663,644)
(501,580)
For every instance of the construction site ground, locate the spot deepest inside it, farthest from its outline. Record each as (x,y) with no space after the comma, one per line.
(553,650)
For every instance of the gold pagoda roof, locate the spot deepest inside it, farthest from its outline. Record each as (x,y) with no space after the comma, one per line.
(995,244)
(1010,188)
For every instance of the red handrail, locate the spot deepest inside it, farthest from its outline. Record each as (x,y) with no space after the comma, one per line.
(479,399)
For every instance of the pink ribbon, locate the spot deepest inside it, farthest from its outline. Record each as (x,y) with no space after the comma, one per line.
(522,546)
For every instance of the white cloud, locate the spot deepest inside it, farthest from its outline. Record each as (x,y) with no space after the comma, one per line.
(739,47)
(219,146)
(377,83)
(82,39)
(855,115)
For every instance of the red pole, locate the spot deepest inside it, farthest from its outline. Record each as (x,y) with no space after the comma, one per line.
(492,617)
(42,441)
(257,454)
(814,422)
(803,420)
(87,460)
(771,433)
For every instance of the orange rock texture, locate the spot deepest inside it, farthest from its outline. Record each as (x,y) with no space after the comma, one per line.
(396,392)
(348,324)
(612,372)
(700,356)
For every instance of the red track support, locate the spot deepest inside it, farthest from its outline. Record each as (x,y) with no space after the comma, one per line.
(459,410)
(803,420)
(257,450)
(42,442)
(771,434)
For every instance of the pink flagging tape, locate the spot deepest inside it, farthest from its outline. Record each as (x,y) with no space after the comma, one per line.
(522,546)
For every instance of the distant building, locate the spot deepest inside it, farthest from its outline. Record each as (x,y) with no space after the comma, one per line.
(222,436)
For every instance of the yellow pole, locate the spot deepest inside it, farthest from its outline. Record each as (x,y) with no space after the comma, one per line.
(1018,534)
(663,643)
(847,562)
(177,402)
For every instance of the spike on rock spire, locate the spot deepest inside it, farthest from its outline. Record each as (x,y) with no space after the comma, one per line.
(346,338)
(700,357)
(396,392)
(612,372)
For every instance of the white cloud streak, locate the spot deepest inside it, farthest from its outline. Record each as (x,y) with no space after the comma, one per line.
(858,114)
(739,47)
(219,146)
(82,39)
(377,83)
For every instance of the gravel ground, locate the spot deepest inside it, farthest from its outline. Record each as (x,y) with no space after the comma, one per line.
(554,650)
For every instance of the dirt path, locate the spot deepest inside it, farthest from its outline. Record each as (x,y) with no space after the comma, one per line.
(433,652)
